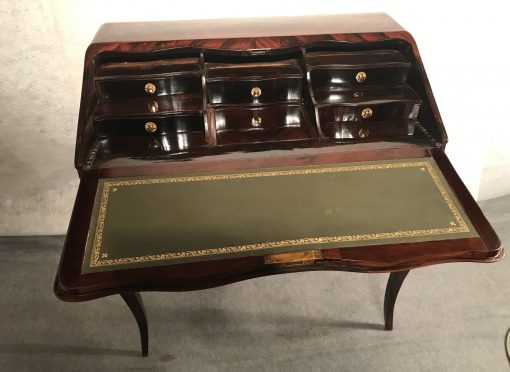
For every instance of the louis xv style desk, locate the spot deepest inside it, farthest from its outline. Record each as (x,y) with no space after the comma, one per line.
(215,151)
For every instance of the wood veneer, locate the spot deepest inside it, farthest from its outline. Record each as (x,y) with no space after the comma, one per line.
(185,60)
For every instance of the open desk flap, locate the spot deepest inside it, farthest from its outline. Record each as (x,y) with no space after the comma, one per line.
(162,220)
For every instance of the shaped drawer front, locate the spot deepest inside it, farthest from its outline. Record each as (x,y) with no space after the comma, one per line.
(333,78)
(332,70)
(258,118)
(373,112)
(148,86)
(255,91)
(254,83)
(144,126)
(261,124)
(372,130)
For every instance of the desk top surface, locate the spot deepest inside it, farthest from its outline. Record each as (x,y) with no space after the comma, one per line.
(245,27)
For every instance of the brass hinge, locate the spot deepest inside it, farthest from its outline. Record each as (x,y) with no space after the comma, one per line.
(294,258)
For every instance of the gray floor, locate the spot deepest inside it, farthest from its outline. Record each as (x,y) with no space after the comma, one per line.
(448,318)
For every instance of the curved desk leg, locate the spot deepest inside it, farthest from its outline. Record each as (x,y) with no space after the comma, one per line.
(135,304)
(394,283)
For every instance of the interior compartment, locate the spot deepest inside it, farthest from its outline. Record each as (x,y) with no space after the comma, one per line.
(277,96)
(154,98)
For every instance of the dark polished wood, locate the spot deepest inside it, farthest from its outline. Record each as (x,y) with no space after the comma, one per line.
(230,95)
(135,304)
(392,288)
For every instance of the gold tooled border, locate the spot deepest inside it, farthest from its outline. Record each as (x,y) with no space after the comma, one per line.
(98,259)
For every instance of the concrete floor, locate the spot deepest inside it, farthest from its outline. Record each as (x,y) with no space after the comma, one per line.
(448,318)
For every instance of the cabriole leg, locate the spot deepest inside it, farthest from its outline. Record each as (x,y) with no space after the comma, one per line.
(135,304)
(394,283)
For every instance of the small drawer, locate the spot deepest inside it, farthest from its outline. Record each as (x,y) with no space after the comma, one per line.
(366,96)
(148,106)
(281,134)
(158,66)
(254,83)
(259,124)
(332,70)
(372,130)
(149,126)
(369,112)
(148,86)
(258,118)
(255,91)
(151,146)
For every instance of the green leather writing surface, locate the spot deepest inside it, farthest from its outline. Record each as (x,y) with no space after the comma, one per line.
(142,221)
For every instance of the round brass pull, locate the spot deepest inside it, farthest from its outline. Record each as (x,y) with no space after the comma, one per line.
(153,106)
(150,127)
(363,133)
(256,121)
(150,88)
(256,92)
(366,113)
(361,76)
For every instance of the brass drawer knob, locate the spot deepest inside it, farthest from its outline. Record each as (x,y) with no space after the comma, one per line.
(150,127)
(361,76)
(153,106)
(363,133)
(256,92)
(150,88)
(366,113)
(256,121)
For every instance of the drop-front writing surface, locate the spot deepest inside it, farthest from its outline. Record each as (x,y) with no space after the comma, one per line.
(139,221)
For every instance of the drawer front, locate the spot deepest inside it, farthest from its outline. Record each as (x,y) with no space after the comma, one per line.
(151,146)
(149,126)
(334,78)
(281,134)
(261,124)
(377,112)
(366,96)
(258,118)
(146,87)
(369,130)
(145,106)
(255,91)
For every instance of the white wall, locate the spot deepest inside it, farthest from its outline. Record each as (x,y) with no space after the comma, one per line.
(464,46)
